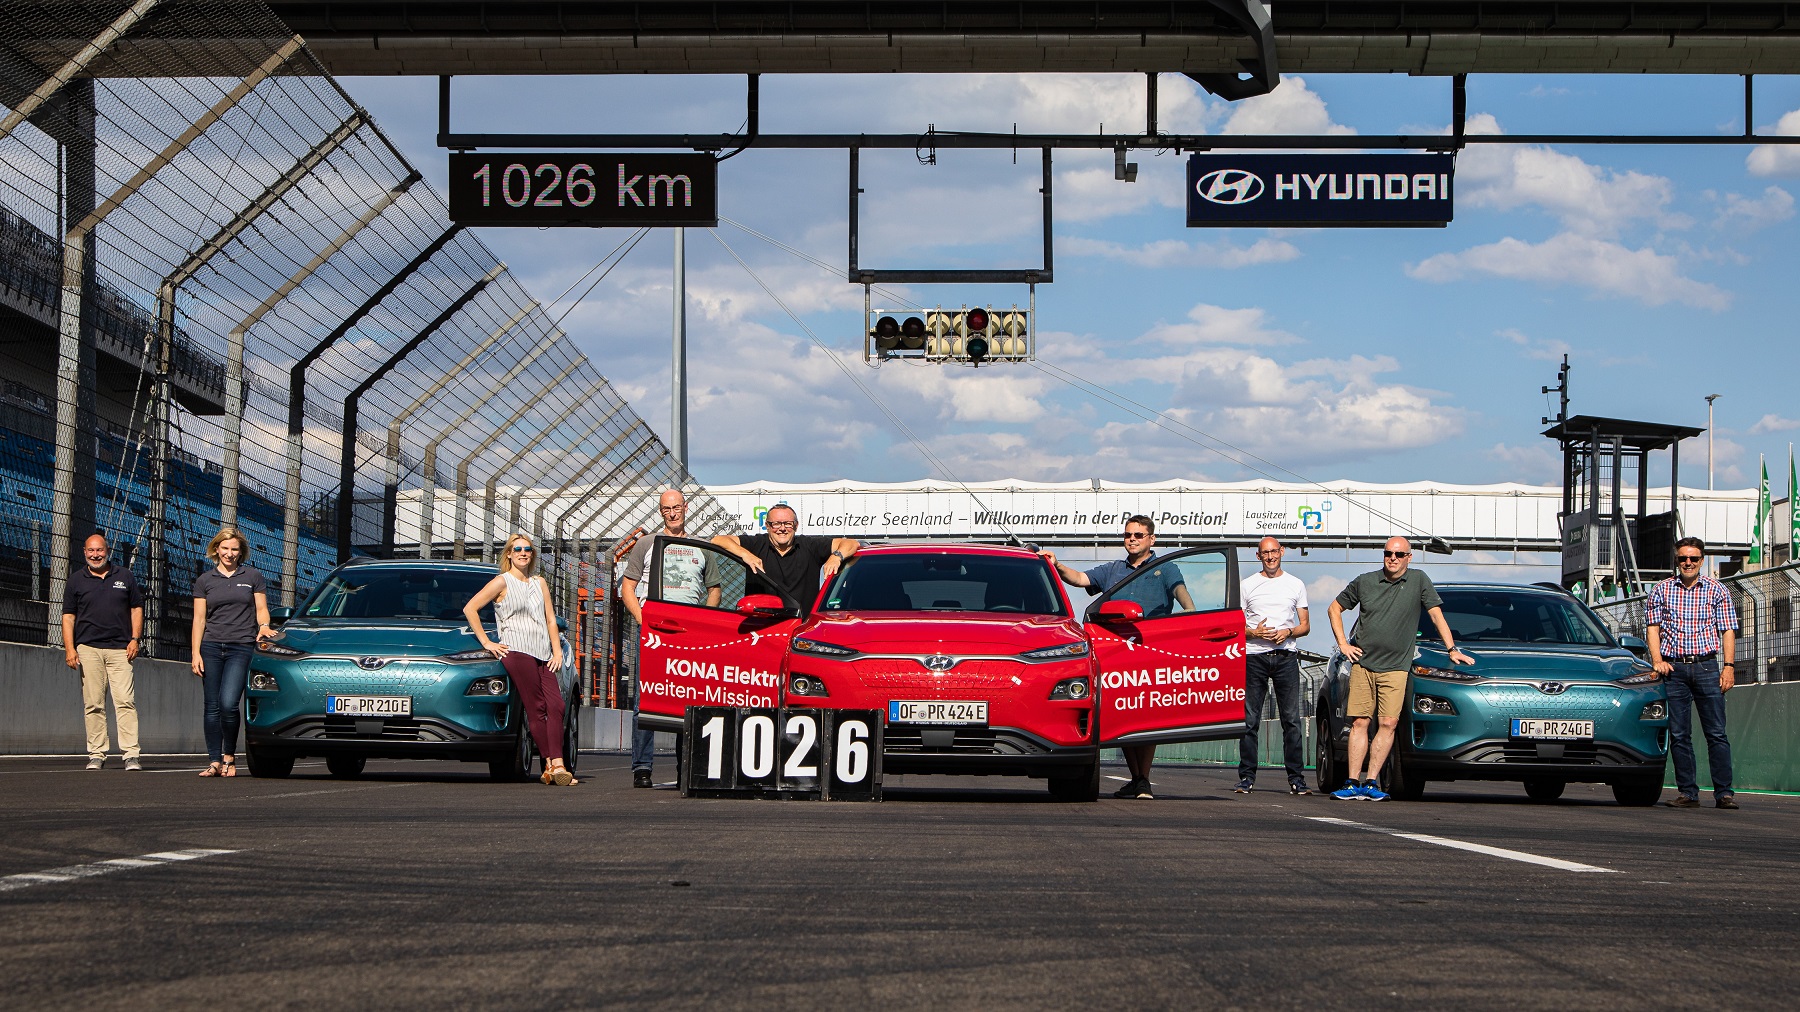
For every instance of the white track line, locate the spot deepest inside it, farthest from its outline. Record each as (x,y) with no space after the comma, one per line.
(1478,848)
(72,872)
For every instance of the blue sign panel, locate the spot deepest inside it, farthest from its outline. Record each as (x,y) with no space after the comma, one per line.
(1320,190)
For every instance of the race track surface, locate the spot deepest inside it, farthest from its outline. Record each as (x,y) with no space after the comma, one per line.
(425,885)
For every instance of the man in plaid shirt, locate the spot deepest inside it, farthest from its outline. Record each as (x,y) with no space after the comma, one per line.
(1693,626)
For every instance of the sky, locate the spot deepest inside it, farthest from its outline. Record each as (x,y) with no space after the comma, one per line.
(1380,355)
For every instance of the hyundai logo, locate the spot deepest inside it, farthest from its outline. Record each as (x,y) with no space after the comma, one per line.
(371,663)
(1229,186)
(1552,688)
(939,662)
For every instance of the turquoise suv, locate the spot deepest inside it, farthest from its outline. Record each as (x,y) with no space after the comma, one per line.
(1551,698)
(379,663)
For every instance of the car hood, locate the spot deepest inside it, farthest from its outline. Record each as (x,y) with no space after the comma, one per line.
(412,637)
(942,632)
(1537,660)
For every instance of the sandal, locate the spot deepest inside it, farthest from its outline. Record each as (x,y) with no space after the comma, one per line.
(230,768)
(548,777)
(561,776)
(214,770)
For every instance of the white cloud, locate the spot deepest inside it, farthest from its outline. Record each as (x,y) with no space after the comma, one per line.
(1538,463)
(1585,197)
(1777,159)
(1607,268)
(1292,108)
(1751,213)
(1541,349)
(1219,325)
(1773,423)
(1181,253)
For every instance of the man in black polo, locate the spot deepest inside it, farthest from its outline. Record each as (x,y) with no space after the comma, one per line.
(792,562)
(103,616)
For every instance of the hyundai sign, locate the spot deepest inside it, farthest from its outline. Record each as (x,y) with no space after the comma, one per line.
(1320,190)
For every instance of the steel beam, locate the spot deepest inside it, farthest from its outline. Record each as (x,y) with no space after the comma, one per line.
(347,459)
(67,72)
(537,521)
(460,516)
(493,482)
(518,495)
(391,487)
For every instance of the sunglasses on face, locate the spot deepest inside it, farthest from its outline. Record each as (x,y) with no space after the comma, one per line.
(523,548)
(781,525)
(1134,535)
(1395,555)
(1688,560)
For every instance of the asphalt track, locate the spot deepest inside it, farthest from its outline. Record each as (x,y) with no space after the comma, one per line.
(425,885)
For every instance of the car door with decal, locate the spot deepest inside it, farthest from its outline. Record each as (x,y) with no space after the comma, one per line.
(712,635)
(1169,645)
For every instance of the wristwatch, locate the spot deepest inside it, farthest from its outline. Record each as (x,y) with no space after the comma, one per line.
(837,554)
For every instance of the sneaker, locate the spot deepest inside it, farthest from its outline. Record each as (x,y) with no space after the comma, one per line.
(640,778)
(1351,791)
(1682,801)
(1728,801)
(1298,787)
(1130,790)
(1144,793)
(1245,786)
(1371,791)
(96,762)
(132,764)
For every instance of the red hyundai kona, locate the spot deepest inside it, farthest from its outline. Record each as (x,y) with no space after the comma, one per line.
(974,652)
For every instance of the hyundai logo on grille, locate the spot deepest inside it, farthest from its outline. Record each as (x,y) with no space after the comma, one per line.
(1229,186)
(1552,688)
(371,663)
(940,662)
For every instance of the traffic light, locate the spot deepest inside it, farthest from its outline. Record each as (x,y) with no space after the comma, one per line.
(974,335)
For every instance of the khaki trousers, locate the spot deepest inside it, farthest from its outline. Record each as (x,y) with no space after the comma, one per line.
(101,669)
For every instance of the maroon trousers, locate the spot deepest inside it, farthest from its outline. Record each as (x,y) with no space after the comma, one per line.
(535,682)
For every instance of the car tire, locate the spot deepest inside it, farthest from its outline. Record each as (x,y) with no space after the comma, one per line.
(1549,790)
(572,734)
(1637,795)
(267,765)
(1325,764)
(1083,786)
(516,764)
(346,767)
(1401,783)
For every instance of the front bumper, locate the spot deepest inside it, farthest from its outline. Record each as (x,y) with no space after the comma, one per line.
(416,737)
(979,751)
(1515,760)
(445,723)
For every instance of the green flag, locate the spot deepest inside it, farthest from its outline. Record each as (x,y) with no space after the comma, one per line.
(1762,511)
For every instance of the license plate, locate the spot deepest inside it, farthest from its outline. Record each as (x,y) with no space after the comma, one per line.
(937,711)
(369,706)
(1522,728)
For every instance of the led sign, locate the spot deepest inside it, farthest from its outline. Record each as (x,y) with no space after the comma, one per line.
(1320,190)
(584,188)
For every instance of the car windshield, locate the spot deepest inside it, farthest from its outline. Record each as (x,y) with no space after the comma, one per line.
(1500,616)
(944,582)
(399,593)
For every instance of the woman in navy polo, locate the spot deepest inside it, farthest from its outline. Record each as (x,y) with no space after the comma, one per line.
(231,613)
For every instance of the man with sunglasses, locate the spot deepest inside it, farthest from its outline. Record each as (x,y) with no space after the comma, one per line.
(792,562)
(1381,652)
(1162,592)
(1692,625)
(1275,617)
(689,576)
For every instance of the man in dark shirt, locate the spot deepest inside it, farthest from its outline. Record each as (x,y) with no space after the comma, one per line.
(792,562)
(103,616)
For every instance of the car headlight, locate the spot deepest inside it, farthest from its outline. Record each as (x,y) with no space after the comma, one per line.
(1446,674)
(1071,688)
(277,650)
(1654,711)
(1644,677)
(1061,651)
(821,648)
(806,685)
(1434,705)
(465,656)
(495,686)
(262,681)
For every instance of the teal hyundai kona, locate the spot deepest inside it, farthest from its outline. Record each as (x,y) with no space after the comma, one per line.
(379,663)
(1552,698)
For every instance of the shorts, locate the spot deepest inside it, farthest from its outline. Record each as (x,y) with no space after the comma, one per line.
(1376,693)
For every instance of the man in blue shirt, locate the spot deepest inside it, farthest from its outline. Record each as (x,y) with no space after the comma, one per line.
(1161,592)
(1693,640)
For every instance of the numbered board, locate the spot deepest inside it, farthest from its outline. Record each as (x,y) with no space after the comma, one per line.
(657,189)
(830,755)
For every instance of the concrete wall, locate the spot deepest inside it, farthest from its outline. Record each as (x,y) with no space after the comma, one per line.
(40,705)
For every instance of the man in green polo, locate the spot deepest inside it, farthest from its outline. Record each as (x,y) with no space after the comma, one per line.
(1381,652)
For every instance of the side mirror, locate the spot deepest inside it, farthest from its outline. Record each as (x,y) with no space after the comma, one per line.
(1120,611)
(562,624)
(280,615)
(1635,645)
(762,606)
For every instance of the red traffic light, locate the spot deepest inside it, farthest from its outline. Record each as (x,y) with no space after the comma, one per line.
(976,320)
(913,327)
(889,328)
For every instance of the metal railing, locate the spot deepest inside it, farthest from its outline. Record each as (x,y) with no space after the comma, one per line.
(1768,644)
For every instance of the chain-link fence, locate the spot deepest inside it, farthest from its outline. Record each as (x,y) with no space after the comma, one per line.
(216,276)
(1768,646)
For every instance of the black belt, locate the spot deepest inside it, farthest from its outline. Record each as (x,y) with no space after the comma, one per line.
(1691,658)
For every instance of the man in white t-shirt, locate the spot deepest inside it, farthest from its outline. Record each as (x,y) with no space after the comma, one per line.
(689,576)
(1274,619)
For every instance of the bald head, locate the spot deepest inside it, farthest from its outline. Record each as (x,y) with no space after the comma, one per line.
(1269,552)
(1396,555)
(674,511)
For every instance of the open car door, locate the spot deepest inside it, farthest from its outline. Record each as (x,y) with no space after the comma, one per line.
(1169,643)
(714,634)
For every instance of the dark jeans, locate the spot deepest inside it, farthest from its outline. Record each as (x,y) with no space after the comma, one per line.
(227,666)
(643,745)
(1280,668)
(1696,687)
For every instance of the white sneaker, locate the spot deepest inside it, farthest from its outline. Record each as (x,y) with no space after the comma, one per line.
(133,765)
(96,762)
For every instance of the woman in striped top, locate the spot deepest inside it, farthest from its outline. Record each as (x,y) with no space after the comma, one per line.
(528,646)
